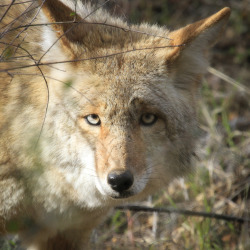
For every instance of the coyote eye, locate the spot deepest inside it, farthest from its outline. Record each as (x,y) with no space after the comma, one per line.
(148,119)
(93,119)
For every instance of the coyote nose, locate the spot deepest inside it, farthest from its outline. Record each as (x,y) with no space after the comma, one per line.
(120,181)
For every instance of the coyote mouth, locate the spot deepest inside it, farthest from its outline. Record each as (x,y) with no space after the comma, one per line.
(122,195)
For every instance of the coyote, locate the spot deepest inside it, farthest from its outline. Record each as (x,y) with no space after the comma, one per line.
(94,113)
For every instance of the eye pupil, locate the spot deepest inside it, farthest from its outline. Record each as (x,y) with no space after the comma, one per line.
(94,116)
(93,119)
(148,116)
(148,119)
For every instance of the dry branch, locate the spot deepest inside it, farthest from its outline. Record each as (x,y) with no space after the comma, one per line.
(183,212)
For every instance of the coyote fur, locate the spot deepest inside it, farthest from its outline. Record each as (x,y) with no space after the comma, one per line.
(94,113)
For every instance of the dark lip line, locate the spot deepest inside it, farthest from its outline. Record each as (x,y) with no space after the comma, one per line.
(123,196)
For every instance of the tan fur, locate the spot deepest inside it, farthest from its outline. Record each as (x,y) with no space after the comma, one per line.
(54,165)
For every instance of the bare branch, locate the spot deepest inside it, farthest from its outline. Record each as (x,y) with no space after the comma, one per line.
(7,10)
(5,5)
(46,83)
(91,23)
(18,35)
(92,58)
(75,24)
(183,212)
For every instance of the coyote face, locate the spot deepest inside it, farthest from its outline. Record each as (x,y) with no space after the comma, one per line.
(125,130)
(93,112)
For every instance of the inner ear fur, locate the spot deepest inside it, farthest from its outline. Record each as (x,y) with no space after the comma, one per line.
(201,34)
(69,27)
(67,23)
(73,30)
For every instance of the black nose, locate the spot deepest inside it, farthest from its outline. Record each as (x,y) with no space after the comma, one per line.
(120,181)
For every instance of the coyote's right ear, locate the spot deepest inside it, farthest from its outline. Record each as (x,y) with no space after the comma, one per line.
(187,61)
(199,35)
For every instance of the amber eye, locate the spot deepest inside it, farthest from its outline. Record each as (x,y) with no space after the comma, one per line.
(93,119)
(148,119)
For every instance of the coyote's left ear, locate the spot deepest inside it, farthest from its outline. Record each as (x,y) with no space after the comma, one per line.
(198,36)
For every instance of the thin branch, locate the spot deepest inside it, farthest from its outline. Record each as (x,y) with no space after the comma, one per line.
(75,24)
(183,212)
(7,10)
(28,9)
(47,87)
(90,23)
(18,35)
(4,5)
(91,58)
(100,6)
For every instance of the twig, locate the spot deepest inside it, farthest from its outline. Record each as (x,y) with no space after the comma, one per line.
(5,5)
(183,212)
(68,30)
(90,23)
(18,35)
(46,83)
(1,19)
(91,58)
(8,25)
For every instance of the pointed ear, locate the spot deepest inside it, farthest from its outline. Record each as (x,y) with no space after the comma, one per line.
(69,27)
(187,63)
(199,35)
